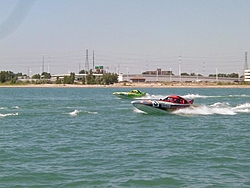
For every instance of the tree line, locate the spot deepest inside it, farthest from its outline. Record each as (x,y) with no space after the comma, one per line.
(90,78)
(232,75)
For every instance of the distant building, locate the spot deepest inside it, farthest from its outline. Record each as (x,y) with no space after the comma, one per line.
(247,75)
(120,77)
(158,71)
(138,79)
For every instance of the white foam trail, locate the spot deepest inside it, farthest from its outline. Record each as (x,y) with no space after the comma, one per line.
(202,110)
(15,107)
(205,110)
(187,96)
(191,96)
(216,108)
(91,112)
(243,95)
(223,111)
(220,104)
(244,108)
(9,114)
(195,96)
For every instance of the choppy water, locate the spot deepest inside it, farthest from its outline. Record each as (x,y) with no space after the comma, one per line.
(86,137)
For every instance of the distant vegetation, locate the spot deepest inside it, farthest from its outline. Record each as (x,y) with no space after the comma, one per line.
(44,75)
(8,77)
(232,75)
(192,74)
(106,79)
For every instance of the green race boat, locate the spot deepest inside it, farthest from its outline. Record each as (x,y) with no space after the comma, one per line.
(131,94)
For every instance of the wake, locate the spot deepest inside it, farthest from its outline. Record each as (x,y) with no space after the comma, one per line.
(193,96)
(216,108)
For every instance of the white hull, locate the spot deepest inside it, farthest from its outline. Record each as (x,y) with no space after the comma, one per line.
(149,109)
(157,107)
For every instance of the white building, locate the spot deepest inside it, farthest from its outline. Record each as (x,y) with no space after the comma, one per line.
(247,75)
(120,77)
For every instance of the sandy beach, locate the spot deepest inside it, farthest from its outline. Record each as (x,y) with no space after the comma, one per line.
(132,85)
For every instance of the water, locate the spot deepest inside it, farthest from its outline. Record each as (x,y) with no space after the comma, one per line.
(86,137)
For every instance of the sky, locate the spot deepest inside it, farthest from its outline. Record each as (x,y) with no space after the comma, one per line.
(125,36)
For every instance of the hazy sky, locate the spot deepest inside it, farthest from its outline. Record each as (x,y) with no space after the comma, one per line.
(126,35)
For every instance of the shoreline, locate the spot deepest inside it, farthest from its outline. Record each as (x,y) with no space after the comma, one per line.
(128,85)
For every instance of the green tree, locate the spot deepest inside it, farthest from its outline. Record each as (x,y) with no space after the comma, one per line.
(88,78)
(7,76)
(184,74)
(58,80)
(83,80)
(110,78)
(36,76)
(83,72)
(233,75)
(69,79)
(46,75)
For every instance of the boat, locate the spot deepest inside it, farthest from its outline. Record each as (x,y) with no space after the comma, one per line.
(135,93)
(170,103)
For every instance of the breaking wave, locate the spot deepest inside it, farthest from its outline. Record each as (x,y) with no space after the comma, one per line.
(74,113)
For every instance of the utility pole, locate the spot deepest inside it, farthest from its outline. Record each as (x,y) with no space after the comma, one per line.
(127,75)
(216,74)
(48,64)
(246,65)
(93,59)
(43,64)
(86,66)
(204,69)
(170,75)
(157,78)
(180,68)
(87,62)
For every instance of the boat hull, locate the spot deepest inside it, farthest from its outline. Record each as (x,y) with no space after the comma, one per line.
(127,95)
(157,107)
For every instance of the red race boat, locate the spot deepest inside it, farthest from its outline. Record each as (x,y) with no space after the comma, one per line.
(170,103)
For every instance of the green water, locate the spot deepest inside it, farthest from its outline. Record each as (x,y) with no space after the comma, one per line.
(86,137)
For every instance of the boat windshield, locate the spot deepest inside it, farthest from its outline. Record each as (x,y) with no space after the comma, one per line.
(176,99)
(135,91)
